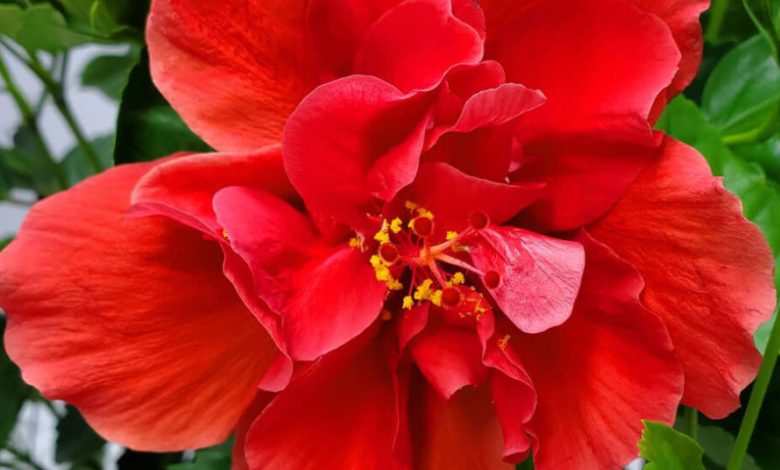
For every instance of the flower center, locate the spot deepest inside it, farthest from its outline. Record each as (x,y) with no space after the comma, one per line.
(416,270)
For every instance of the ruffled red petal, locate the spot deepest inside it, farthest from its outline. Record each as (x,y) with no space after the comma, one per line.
(600,373)
(325,295)
(539,276)
(708,272)
(124,316)
(234,70)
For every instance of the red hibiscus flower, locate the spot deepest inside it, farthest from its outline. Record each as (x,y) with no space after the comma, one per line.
(470,245)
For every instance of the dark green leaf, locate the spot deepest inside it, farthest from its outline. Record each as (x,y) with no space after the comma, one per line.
(25,167)
(39,27)
(5,242)
(763,13)
(760,196)
(213,458)
(667,449)
(76,441)
(717,444)
(76,165)
(109,18)
(13,391)
(109,73)
(527,464)
(147,126)
(743,92)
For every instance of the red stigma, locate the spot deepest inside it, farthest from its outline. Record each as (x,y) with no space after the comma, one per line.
(422,226)
(389,253)
(478,220)
(492,279)
(451,297)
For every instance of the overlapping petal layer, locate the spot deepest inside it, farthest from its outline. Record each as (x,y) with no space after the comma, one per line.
(600,373)
(124,316)
(708,272)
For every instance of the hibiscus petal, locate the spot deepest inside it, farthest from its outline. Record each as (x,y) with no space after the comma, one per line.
(351,141)
(325,295)
(183,188)
(415,43)
(600,373)
(126,317)
(452,196)
(235,69)
(449,358)
(338,414)
(583,56)
(682,17)
(708,272)
(459,434)
(511,389)
(337,28)
(583,180)
(540,276)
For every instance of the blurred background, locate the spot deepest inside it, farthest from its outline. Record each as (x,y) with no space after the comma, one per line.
(76,98)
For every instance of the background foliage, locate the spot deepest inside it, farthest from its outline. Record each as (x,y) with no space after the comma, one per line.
(731,114)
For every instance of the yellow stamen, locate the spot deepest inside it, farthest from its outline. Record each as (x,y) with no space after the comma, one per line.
(452,235)
(423,291)
(408,302)
(458,279)
(410,205)
(394,284)
(436,297)
(225,234)
(396,225)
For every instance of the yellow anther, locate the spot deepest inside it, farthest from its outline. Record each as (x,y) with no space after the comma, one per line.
(452,235)
(423,212)
(436,297)
(375,261)
(502,343)
(382,237)
(225,234)
(396,225)
(394,284)
(410,205)
(423,291)
(458,278)
(383,273)
(408,302)
(356,243)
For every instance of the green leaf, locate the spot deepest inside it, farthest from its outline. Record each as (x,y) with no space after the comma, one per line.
(25,167)
(13,391)
(760,196)
(763,13)
(39,27)
(213,458)
(76,441)
(5,242)
(743,92)
(667,449)
(76,165)
(109,73)
(109,18)
(717,444)
(147,126)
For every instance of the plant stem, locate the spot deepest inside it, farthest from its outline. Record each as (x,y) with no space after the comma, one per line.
(691,420)
(760,387)
(30,121)
(56,92)
(717,16)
